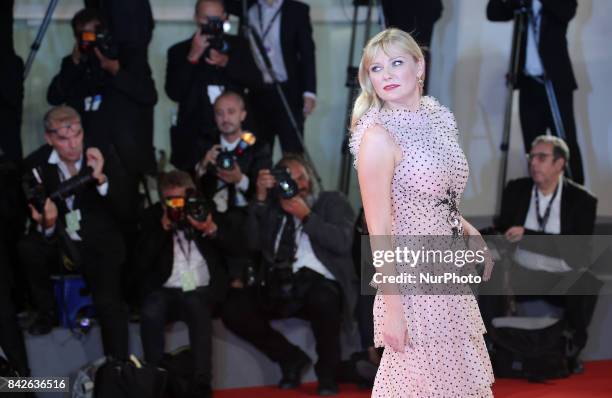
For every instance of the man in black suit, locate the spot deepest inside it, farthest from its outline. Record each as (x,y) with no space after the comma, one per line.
(196,74)
(306,245)
(113,91)
(543,51)
(285,29)
(548,203)
(417,18)
(80,230)
(11,87)
(230,189)
(182,277)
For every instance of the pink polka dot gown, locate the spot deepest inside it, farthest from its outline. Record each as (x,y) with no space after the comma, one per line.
(446,356)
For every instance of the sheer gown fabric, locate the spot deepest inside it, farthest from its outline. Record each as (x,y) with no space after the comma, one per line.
(446,355)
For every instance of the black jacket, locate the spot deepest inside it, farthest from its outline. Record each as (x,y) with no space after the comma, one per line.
(125,116)
(578,207)
(187,84)
(330,229)
(255,158)
(413,16)
(99,226)
(556,16)
(154,256)
(297,45)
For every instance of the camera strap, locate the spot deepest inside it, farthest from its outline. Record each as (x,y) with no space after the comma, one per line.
(543,220)
(264,32)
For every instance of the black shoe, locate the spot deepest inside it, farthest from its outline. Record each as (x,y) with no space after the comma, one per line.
(293,371)
(327,388)
(576,366)
(43,324)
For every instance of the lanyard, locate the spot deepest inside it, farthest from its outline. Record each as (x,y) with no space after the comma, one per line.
(264,32)
(187,253)
(542,220)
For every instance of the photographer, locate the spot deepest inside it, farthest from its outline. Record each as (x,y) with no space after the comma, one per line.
(228,173)
(77,229)
(546,203)
(544,51)
(305,239)
(112,89)
(199,69)
(182,276)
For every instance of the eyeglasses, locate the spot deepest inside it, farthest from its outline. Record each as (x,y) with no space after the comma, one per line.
(540,156)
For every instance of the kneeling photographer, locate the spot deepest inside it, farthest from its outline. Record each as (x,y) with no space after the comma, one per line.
(75,196)
(181,273)
(305,239)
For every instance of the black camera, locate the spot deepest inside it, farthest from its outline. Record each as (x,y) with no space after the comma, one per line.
(192,204)
(36,194)
(226,159)
(215,32)
(286,187)
(101,40)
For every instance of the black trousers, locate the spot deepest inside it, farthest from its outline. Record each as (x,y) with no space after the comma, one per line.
(236,254)
(244,315)
(11,338)
(536,117)
(271,117)
(102,274)
(169,305)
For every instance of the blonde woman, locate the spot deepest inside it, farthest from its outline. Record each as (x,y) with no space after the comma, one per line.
(412,173)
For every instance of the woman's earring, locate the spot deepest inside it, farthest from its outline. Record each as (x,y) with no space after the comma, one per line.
(421,82)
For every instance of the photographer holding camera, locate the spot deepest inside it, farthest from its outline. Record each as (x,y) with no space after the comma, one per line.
(182,275)
(112,88)
(77,229)
(228,173)
(305,239)
(199,69)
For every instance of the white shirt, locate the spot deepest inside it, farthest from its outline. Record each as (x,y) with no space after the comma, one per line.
(533,62)
(271,41)
(191,260)
(541,262)
(64,174)
(305,256)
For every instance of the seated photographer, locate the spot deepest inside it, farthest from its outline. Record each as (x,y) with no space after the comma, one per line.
(228,173)
(305,239)
(112,88)
(181,273)
(547,203)
(199,69)
(75,226)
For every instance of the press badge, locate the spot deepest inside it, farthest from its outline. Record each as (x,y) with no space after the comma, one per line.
(73,221)
(188,280)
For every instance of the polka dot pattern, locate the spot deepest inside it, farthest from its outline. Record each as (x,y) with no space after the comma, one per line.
(446,355)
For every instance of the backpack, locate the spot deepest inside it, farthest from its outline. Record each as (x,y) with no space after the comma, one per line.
(118,379)
(529,348)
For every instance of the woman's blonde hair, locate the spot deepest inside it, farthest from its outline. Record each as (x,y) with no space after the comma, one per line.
(386,40)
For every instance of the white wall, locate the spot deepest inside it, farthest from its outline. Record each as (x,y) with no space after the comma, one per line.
(469,61)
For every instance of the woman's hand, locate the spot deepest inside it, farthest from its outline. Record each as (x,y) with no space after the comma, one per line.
(476,243)
(394,330)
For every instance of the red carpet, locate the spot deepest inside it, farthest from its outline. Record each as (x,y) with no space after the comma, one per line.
(595,382)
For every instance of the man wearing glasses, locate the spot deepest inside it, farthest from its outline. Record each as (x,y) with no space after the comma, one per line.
(547,203)
(79,232)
